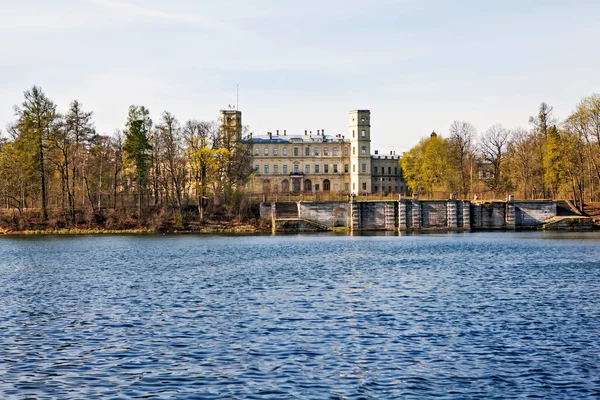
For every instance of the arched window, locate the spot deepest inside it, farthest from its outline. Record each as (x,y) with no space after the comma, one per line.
(326,185)
(296,184)
(307,185)
(285,186)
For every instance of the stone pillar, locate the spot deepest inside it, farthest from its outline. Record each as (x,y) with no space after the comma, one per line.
(510,214)
(416,213)
(354,214)
(389,214)
(273,217)
(466,209)
(451,214)
(402,216)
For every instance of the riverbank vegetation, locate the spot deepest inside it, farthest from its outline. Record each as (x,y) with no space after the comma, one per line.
(58,173)
(548,160)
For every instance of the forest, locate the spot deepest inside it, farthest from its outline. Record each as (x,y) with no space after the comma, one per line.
(57,172)
(551,159)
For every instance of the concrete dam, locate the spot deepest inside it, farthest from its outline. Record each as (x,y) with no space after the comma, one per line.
(424,215)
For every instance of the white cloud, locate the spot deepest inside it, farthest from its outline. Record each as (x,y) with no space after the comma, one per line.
(134,11)
(35,20)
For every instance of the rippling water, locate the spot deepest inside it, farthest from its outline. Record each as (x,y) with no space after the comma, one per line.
(485,315)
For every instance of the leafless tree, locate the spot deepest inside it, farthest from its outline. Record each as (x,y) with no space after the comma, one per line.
(493,146)
(461,140)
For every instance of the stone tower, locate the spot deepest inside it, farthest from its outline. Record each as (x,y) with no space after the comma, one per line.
(230,125)
(360,151)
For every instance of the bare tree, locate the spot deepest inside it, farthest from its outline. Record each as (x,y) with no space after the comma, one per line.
(461,141)
(493,145)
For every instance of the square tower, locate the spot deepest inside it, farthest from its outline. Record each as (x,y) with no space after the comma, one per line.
(230,126)
(360,151)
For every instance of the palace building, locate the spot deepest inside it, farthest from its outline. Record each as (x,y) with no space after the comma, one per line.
(318,162)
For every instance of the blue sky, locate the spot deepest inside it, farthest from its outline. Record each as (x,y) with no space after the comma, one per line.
(417,65)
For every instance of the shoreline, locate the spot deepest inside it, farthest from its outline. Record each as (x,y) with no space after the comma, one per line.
(135,231)
(261,231)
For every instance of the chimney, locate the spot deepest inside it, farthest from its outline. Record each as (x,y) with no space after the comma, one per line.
(277,132)
(305,132)
(318,131)
(270,135)
(390,152)
(284,132)
(310,133)
(323,132)
(376,152)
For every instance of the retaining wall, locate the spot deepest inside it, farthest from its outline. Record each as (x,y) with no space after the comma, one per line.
(422,214)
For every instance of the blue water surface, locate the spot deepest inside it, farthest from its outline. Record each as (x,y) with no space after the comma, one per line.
(482,315)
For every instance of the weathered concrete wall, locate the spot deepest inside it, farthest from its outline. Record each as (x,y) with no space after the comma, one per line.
(488,215)
(434,214)
(531,214)
(265,210)
(330,214)
(372,215)
(417,214)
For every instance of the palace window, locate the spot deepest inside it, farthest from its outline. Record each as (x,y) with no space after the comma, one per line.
(346,186)
(353,134)
(335,168)
(316,151)
(325,151)
(307,169)
(256,151)
(353,167)
(374,170)
(335,151)
(353,186)
(285,151)
(364,186)
(363,133)
(285,168)
(296,151)
(275,151)
(389,170)
(296,168)
(316,168)
(364,168)
(266,169)
(256,169)
(353,150)
(326,168)
(307,151)
(275,169)
(363,150)
(345,152)
(266,151)
(346,168)
(396,170)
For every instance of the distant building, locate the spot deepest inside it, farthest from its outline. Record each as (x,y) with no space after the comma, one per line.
(318,162)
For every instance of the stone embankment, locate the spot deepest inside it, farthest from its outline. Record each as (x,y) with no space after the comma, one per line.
(425,215)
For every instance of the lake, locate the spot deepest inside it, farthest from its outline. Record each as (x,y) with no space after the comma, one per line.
(480,315)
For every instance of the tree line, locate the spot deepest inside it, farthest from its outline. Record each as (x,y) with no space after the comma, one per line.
(552,159)
(57,164)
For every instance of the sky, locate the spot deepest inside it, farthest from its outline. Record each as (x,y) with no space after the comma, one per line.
(418,65)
